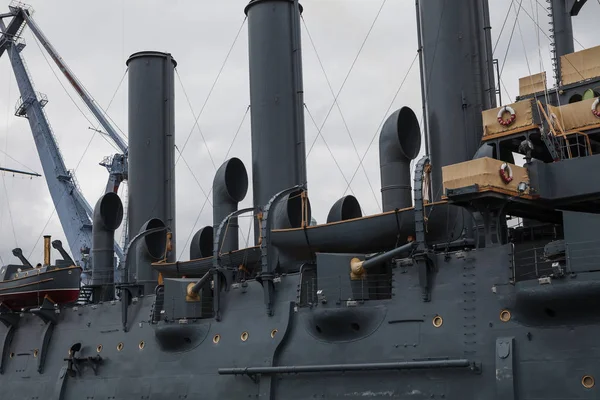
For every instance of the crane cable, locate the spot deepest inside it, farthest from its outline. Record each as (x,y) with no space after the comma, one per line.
(110,142)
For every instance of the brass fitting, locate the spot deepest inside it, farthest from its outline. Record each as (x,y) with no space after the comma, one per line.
(169,241)
(47,250)
(357,271)
(191,296)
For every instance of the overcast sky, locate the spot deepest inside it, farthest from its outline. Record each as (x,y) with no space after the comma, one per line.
(96,37)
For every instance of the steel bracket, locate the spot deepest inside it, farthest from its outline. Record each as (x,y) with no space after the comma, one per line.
(505,382)
(266,274)
(47,313)
(425,266)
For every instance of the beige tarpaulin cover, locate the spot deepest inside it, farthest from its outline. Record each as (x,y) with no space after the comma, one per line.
(532,84)
(524,118)
(576,116)
(484,172)
(581,65)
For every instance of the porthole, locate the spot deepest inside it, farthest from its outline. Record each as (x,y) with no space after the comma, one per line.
(216,339)
(273,333)
(587,381)
(35,353)
(244,336)
(141,345)
(99,348)
(120,346)
(505,315)
(437,321)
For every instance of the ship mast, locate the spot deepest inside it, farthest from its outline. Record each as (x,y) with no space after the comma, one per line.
(562,30)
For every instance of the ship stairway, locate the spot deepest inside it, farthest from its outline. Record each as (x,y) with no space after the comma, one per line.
(85,294)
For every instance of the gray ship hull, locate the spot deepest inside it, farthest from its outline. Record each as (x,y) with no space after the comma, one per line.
(178,360)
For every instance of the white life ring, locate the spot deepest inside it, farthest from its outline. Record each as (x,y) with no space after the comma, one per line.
(509,121)
(506,173)
(595,107)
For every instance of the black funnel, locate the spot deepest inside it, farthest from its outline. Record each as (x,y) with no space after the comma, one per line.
(151,139)
(276,99)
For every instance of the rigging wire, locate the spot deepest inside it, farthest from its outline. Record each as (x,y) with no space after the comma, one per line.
(385,115)
(341,115)
(15,160)
(537,23)
(196,123)
(503,25)
(12,223)
(193,175)
(550,40)
(523,43)
(6,142)
(210,191)
(328,148)
(212,87)
(347,75)
(510,38)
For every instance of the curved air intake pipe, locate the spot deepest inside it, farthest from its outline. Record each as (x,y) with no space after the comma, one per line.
(287,213)
(151,248)
(345,208)
(399,143)
(229,188)
(107,217)
(202,243)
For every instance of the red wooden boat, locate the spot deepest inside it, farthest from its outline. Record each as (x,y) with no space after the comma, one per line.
(24,286)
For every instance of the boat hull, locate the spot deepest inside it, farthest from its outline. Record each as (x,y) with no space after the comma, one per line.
(60,285)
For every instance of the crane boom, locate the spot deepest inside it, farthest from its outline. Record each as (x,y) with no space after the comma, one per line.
(73,210)
(16,171)
(77,85)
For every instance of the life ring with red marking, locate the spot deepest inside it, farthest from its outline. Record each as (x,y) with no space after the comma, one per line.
(595,107)
(506,173)
(510,120)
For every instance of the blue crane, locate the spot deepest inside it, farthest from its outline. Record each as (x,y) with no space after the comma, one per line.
(72,208)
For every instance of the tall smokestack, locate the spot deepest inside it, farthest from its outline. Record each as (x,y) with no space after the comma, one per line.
(456,77)
(151,142)
(276,98)
(562,10)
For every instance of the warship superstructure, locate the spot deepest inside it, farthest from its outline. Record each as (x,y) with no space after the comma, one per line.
(440,296)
